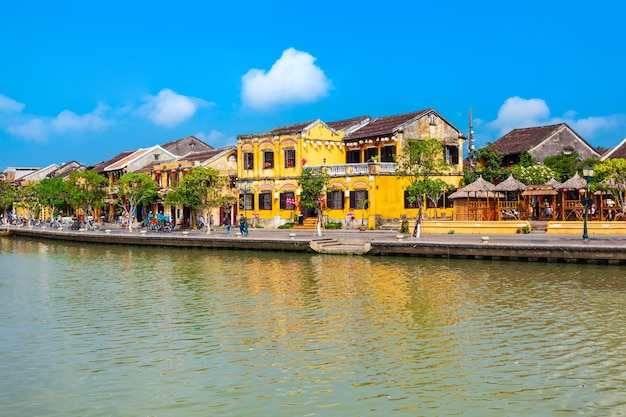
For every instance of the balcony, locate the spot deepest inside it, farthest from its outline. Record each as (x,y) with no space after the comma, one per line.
(343,170)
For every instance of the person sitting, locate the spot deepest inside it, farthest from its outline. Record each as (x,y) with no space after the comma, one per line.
(547,212)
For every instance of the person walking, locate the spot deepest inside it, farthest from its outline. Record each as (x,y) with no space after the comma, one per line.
(243,226)
(227,223)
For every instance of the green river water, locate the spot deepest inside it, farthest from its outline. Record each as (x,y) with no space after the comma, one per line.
(125,331)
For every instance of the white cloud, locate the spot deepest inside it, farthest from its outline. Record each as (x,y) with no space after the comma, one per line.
(212,137)
(9,105)
(294,78)
(517,113)
(35,129)
(39,129)
(169,108)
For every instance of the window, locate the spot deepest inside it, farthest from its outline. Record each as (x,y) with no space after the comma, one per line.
(370,153)
(451,153)
(290,158)
(268,159)
(357,198)
(287,201)
(246,201)
(388,154)
(156,156)
(407,203)
(265,201)
(334,200)
(432,119)
(248,160)
(353,157)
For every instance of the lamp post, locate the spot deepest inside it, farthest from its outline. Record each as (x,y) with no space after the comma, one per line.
(587,174)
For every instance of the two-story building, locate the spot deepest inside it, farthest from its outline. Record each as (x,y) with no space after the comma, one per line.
(359,156)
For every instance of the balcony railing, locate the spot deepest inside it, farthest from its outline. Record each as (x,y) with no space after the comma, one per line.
(342,170)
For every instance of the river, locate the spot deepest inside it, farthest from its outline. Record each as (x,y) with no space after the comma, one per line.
(90,330)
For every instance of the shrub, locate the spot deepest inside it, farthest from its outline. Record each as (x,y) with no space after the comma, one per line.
(451,231)
(286,226)
(404,226)
(333,225)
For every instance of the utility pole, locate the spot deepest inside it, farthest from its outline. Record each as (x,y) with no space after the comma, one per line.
(470,144)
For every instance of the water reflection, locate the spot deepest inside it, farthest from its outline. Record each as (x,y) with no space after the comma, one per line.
(113,330)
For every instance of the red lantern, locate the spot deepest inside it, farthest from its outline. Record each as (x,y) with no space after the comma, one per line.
(158,172)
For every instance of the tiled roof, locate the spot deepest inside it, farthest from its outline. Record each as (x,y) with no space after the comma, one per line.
(347,123)
(285,130)
(99,168)
(522,140)
(201,156)
(617,152)
(383,126)
(127,159)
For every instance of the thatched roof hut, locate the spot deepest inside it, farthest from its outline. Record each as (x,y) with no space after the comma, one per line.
(476,201)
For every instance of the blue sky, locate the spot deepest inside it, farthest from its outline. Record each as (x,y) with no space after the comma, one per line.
(84,80)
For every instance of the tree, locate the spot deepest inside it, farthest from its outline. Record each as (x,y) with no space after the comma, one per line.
(135,189)
(489,166)
(611,177)
(419,161)
(7,194)
(52,193)
(86,190)
(564,166)
(27,199)
(201,189)
(313,182)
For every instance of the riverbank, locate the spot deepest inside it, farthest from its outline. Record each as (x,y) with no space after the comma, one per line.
(605,249)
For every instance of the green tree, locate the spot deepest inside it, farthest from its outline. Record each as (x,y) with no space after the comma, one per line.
(419,161)
(313,182)
(489,166)
(202,189)
(135,189)
(86,190)
(564,166)
(52,193)
(610,175)
(7,194)
(27,200)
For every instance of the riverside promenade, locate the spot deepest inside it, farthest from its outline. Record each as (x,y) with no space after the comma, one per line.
(600,249)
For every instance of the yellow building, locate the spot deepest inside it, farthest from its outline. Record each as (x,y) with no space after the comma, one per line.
(359,156)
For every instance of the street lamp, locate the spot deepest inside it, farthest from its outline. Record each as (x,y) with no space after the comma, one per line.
(587,174)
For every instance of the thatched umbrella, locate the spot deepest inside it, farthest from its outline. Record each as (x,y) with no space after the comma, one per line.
(575,183)
(511,184)
(478,189)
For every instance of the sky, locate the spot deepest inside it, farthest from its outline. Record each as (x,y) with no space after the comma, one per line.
(85,80)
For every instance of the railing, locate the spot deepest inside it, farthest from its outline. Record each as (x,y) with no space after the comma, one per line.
(342,170)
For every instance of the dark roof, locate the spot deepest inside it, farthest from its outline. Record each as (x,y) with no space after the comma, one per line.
(617,152)
(344,124)
(383,126)
(285,130)
(202,156)
(521,140)
(173,145)
(99,168)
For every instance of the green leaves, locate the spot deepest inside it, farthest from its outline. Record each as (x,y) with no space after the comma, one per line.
(313,182)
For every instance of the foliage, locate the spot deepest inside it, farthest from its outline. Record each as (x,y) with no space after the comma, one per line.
(419,161)
(333,225)
(404,226)
(610,175)
(526,159)
(135,189)
(7,194)
(451,231)
(86,190)
(536,174)
(201,189)
(286,226)
(526,229)
(312,181)
(489,158)
(564,166)
(52,193)
(27,199)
